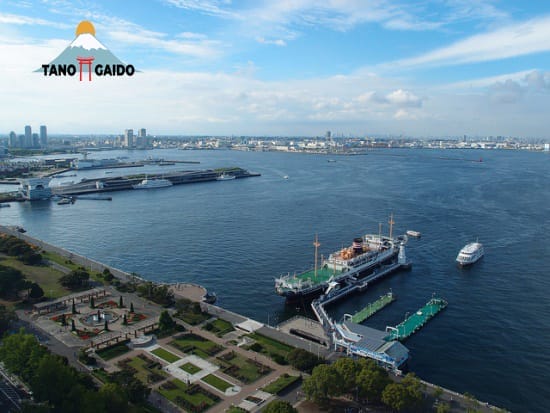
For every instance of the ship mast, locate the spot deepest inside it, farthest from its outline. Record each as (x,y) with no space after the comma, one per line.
(391,222)
(316,244)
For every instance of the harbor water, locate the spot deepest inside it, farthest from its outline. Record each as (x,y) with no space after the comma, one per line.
(234,237)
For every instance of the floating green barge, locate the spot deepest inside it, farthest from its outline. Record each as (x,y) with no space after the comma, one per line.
(373,308)
(416,321)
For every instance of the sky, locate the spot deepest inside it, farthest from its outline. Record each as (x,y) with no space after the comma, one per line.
(426,68)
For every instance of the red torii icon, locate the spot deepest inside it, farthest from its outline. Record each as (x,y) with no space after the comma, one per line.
(86,61)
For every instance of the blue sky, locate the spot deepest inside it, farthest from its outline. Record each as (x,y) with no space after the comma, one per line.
(288,67)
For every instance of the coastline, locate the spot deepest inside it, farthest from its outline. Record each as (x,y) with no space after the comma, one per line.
(234,318)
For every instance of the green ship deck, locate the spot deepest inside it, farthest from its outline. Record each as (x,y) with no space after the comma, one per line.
(323,275)
(416,321)
(373,308)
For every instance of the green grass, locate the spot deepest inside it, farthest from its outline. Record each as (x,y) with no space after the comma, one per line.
(165,355)
(46,277)
(101,374)
(145,369)
(242,368)
(192,318)
(190,368)
(111,352)
(270,347)
(182,395)
(194,344)
(217,382)
(219,327)
(280,384)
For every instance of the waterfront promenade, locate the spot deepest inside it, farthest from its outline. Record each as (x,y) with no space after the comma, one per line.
(69,349)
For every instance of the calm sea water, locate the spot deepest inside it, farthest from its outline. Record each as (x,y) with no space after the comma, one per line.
(234,237)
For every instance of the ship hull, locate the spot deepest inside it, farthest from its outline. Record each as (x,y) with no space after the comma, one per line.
(309,294)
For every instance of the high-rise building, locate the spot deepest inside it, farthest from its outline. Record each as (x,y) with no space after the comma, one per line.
(328,135)
(43,136)
(21,141)
(142,133)
(28,137)
(129,138)
(35,140)
(13,140)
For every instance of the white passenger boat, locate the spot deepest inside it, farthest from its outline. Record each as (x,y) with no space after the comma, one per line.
(225,177)
(470,254)
(414,234)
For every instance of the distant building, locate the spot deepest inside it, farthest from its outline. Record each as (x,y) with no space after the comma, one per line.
(35,140)
(43,136)
(328,135)
(21,141)
(129,138)
(142,133)
(13,143)
(28,137)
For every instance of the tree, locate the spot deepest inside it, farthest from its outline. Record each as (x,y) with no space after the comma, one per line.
(31,258)
(75,279)
(395,396)
(322,384)
(11,282)
(166,323)
(6,317)
(92,303)
(120,303)
(36,291)
(303,360)
(415,389)
(124,320)
(279,406)
(131,307)
(371,381)
(348,369)
(443,408)
(73,308)
(73,327)
(106,327)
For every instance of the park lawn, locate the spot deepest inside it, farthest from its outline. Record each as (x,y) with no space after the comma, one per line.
(242,368)
(193,344)
(165,355)
(46,277)
(217,382)
(65,262)
(190,368)
(101,375)
(176,389)
(280,384)
(219,327)
(192,318)
(111,352)
(271,348)
(145,373)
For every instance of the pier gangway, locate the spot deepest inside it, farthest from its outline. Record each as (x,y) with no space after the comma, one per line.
(416,321)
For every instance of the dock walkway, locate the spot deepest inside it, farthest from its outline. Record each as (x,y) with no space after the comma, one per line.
(416,321)
(373,308)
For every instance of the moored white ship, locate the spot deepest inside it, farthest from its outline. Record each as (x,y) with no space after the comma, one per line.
(470,254)
(152,183)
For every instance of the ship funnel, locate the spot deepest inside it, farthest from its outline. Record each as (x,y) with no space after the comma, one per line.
(358,245)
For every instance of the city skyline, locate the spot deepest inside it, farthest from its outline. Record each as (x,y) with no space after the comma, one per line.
(288,69)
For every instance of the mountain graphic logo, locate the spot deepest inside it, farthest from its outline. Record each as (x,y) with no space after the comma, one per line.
(88,55)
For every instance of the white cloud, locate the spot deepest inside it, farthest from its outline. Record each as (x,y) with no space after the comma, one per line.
(402,97)
(16,19)
(511,41)
(276,42)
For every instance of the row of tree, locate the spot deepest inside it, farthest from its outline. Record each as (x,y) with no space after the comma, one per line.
(16,247)
(58,387)
(362,380)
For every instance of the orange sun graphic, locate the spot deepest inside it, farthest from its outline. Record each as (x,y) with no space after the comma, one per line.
(85,27)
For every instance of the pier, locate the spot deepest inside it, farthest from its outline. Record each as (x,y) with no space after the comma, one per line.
(372,308)
(416,321)
(101,185)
